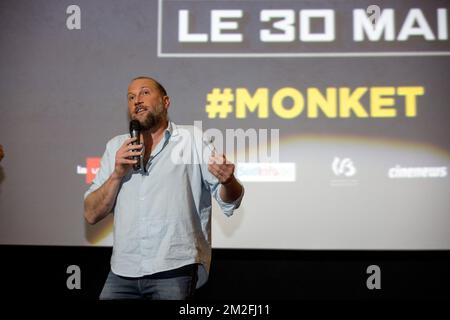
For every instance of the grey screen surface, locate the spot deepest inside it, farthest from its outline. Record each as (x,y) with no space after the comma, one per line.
(352,173)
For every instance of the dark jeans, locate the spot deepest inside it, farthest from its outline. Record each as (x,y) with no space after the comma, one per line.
(176,284)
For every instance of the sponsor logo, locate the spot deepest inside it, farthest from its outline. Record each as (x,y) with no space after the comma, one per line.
(90,170)
(399,172)
(343,167)
(266,172)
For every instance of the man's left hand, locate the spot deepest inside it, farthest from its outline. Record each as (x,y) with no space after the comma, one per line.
(221,168)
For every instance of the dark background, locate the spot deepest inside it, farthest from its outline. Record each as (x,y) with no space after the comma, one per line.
(39,272)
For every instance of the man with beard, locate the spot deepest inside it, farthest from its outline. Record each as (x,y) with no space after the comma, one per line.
(162,214)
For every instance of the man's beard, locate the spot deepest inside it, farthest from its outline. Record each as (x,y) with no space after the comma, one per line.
(153,119)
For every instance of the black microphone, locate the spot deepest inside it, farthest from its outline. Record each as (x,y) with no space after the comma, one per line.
(135,132)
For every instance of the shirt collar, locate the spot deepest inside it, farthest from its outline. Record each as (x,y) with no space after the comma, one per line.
(169,130)
(172,130)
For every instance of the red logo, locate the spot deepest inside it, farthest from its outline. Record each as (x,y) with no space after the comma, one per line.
(91,169)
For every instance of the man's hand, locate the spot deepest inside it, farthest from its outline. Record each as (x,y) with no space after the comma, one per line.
(221,168)
(123,164)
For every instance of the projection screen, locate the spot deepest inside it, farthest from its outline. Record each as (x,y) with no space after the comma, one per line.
(334,112)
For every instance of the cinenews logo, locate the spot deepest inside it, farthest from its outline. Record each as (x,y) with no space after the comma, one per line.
(399,172)
(298,29)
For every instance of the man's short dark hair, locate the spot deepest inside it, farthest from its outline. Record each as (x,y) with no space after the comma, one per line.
(160,87)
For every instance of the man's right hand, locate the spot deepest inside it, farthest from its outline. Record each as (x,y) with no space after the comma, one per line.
(123,164)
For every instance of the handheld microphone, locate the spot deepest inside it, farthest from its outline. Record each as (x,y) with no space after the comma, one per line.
(135,132)
(209,142)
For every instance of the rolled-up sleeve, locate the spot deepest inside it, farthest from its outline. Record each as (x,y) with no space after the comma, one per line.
(228,207)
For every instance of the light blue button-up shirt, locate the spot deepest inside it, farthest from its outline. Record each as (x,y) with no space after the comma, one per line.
(162,215)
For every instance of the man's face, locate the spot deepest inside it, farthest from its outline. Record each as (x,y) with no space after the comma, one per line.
(146,104)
